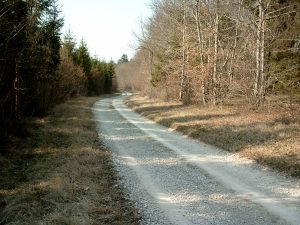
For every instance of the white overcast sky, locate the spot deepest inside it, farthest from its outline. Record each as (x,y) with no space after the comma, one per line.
(105,25)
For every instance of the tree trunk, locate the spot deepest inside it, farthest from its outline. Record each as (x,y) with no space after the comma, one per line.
(200,42)
(262,60)
(183,72)
(17,89)
(216,48)
(233,54)
(259,83)
(199,32)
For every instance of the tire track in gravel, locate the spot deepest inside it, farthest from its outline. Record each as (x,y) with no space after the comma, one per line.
(177,180)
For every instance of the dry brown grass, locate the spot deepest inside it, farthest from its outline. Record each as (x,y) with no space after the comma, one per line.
(270,136)
(61,174)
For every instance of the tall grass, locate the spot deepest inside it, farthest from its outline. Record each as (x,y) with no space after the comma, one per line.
(61,174)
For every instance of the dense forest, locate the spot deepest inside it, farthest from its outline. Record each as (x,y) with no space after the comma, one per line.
(218,52)
(38,68)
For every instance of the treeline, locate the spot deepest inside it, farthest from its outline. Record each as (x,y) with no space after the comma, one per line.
(213,51)
(37,68)
(94,76)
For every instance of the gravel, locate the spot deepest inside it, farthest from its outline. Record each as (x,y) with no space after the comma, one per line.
(176,180)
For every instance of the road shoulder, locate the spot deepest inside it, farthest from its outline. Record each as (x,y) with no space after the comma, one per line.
(269,138)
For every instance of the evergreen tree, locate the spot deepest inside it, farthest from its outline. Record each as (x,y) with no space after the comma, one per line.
(69,44)
(123,59)
(82,58)
(110,72)
(29,59)
(41,56)
(102,76)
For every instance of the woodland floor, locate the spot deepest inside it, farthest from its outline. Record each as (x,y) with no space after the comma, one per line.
(61,174)
(270,136)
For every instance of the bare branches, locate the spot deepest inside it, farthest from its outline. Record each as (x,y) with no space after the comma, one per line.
(219,50)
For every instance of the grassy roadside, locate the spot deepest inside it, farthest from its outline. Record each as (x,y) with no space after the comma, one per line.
(61,175)
(270,138)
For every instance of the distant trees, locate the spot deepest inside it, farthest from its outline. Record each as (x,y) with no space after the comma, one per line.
(217,51)
(123,59)
(82,58)
(123,74)
(103,77)
(72,79)
(99,74)
(93,76)
(132,75)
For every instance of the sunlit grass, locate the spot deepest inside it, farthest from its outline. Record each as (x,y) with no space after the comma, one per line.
(269,137)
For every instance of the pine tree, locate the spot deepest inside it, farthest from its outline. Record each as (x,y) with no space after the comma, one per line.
(69,44)
(41,56)
(109,74)
(123,59)
(82,58)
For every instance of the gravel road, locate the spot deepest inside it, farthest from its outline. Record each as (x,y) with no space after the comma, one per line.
(176,180)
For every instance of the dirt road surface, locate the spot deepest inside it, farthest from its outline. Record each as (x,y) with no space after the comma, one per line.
(176,180)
